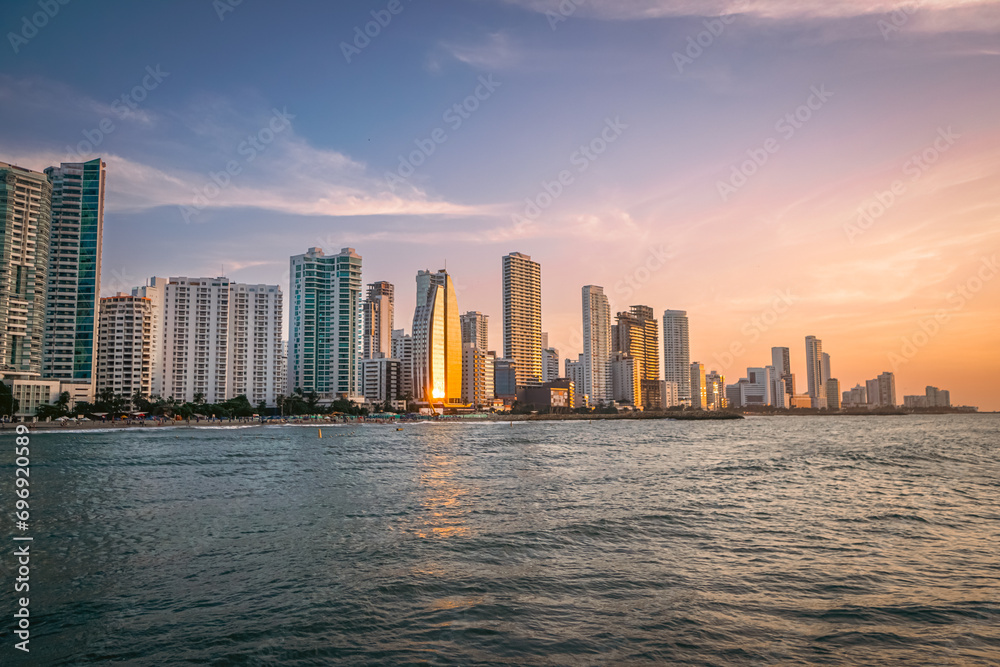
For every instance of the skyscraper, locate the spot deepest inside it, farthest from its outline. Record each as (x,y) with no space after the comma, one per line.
(816,388)
(255,345)
(699,389)
(522,316)
(195,339)
(74,287)
(25,224)
(437,340)
(887,389)
(378,319)
(324,346)
(636,335)
(155,292)
(124,346)
(596,345)
(550,364)
(475,329)
(825,368)
(574,372)
(402,349)
(677,353)
(782,362)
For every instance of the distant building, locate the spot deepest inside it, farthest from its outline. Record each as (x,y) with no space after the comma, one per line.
(625,379)
(833,394)
(699,395)
(801,401)
(550,364)
(155,291)
(670,394)
(825,367)
(855,398)
(677,353)
(379,307)
(636,335)
(715,390)
(477,375)
(556,395)
(575,373)
(887,390)
(937,398)
(782,362)
(402,350)
(522,316)
(475,329)
(596,345)
(124,346)
(505,378)
(381,379)
(914,401)
(256,359)
(814,370)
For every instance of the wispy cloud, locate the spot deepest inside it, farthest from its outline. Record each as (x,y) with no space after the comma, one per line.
(495,52)
(964,14)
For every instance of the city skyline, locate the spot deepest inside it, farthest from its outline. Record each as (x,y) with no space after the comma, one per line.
(870,225)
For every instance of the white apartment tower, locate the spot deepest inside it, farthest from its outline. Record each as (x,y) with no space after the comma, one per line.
(155,292)
(816,388)
(195,351)
(677,353)
(124,346)
(255,344)
(522,316)
(596,345)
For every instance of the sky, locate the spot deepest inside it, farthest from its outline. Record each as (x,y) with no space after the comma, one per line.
(776,168)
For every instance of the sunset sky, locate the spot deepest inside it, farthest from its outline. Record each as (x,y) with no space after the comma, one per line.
(729,149)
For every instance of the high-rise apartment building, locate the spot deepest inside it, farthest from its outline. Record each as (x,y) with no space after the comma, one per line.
(402,349)
(575,373)
(195,339)
(625,378)
(636,335)
(155,292)
(437,340)
(378,319)
(596,345)
(937,398)
(522,316)
(125,346)
(477,375)
(255,344)
(833,394)
(380,379)
(324,337)
(715,390)
(25,225)
(814,371)
(782,361)
(825,368)
(677,353)
(74,285)
(887,389)
(475,329)
(550,364)
(699,390)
